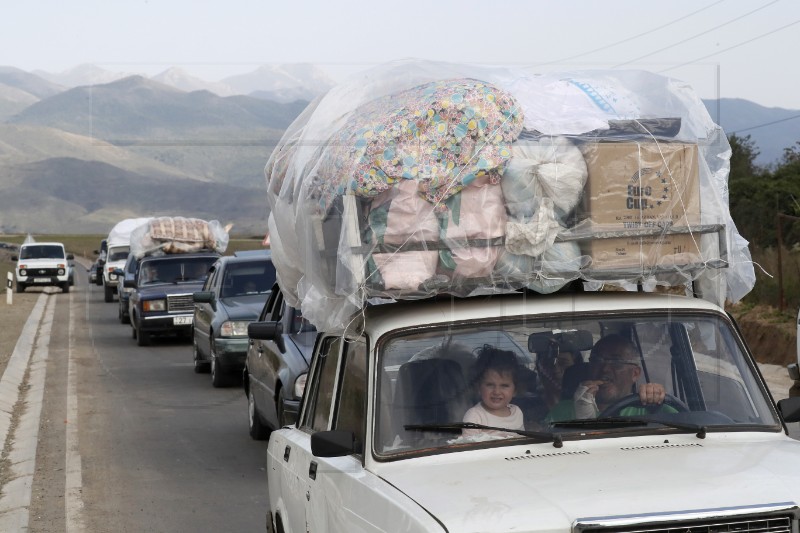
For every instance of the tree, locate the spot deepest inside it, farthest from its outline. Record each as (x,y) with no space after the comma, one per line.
(748,199)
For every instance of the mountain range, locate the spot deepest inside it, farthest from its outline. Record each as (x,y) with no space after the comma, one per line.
(85,148)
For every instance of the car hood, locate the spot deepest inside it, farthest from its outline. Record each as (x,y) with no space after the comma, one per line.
(42,261)
(542,488)
(244,307)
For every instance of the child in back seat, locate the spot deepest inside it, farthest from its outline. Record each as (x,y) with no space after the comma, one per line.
(495,376)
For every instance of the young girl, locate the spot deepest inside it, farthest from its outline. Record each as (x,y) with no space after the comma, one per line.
(495,376)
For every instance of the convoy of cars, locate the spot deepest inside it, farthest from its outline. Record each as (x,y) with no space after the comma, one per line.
(230,299)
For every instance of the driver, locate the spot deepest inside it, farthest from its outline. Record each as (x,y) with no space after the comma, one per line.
(614,368)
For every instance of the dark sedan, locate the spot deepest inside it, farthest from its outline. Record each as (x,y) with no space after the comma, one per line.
(232,297)
(275,372)
(161,300)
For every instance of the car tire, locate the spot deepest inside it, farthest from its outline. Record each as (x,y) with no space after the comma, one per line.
(108,295)
(65,287)
(142,337)
(20,287)
(258,431)
(218,377)
(200,367)
(123,318)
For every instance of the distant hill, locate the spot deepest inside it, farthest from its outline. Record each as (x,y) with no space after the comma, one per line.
(282,83)
(771,128)
(76,196)
(22,144)
(222,139)
(30,83)
(180,79)
(85,74)
(14,100)
(137,107)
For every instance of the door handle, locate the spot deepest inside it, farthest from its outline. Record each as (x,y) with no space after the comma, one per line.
(312,470)
(286,453)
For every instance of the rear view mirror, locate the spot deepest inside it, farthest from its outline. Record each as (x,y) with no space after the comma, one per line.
(578,339)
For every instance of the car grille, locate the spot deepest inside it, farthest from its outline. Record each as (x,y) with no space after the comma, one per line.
(771,518)
(42,271)
(180,303)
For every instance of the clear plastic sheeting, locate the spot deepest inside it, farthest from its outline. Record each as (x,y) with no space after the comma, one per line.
(416,178)
(170,235)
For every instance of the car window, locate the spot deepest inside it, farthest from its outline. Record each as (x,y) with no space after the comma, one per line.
(118,253)
(317,415)
(211,282)
(352,402)
(42,251)
(430,378)
(247,278)
(131,265)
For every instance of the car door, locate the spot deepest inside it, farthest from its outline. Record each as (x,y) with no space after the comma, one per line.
(335,487)
(263,360)
(204,313)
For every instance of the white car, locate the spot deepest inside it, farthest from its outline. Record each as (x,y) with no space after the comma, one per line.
(378,445)
(41,264)
(116,257)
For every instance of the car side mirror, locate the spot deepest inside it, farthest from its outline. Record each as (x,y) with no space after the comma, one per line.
(267,331)
(129,283)
(334,443)
(14,258)
(70,257)
(789,409)
(205,297)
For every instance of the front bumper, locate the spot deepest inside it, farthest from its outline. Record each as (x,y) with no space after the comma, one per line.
(43,280)
(231,353)
(179,323)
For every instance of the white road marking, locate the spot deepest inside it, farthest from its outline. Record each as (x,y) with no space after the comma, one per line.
(16,497)
(73,501)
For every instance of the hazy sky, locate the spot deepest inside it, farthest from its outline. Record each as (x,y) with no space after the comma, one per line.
(728,48)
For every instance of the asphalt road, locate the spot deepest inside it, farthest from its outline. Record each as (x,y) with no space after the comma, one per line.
(108,436)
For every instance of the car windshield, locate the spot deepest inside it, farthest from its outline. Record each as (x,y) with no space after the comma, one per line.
(562,386)
(248,278)
(118,253)
(176,270)
(42,251)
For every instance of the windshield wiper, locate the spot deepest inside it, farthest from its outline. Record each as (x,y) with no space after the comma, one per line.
(542,436)
(630,421)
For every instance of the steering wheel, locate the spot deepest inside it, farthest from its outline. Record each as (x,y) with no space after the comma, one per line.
(633,400)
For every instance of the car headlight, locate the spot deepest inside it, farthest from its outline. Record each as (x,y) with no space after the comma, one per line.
(23,272)
(234,328)
(300,385)
(61,271)
(154,305)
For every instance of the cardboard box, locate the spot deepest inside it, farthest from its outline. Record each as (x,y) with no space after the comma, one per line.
(639,185)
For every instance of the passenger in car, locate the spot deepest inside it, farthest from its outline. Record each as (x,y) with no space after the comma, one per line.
(551,368)
(495,376)
(614,369)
